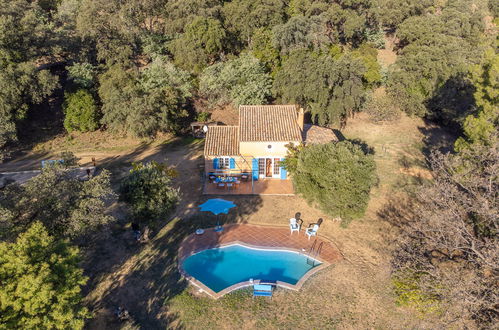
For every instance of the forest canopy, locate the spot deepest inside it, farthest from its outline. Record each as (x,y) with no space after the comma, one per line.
(146,63)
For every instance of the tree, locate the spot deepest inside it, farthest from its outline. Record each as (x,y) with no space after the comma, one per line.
(341,184)
(262,47)
(330,88)
(244,17)
(342,21)
(448,236)
(453,37)
(21,85)
(82,74)
(149,191)
(40,283)
(200,45)
(394,12)
(147,103)
(80,112)
(26,32)
(242,80)
(481,129)
(65,205)
(301,32)
(179,13)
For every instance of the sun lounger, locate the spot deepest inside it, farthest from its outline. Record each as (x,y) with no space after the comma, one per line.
(262,290)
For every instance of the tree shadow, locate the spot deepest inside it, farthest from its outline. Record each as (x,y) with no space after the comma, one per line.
(45,120)
(452,102)
(437,138)
(143,278)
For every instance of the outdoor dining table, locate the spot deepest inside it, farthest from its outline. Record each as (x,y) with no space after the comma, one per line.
(227,179)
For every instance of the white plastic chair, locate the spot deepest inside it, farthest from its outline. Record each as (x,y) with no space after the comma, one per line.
(294,226)
(312,231)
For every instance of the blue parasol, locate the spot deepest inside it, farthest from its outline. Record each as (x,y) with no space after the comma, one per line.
(217,206)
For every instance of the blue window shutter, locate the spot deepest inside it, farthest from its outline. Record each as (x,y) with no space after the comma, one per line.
(215,163)
(255,168)
(232,163)
(284,173)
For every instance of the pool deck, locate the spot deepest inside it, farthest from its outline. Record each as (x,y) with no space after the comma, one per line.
(258,236)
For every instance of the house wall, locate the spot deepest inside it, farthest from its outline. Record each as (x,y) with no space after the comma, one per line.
(260,149)
(241,165)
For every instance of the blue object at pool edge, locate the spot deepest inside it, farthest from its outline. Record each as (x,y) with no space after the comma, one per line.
(222,267)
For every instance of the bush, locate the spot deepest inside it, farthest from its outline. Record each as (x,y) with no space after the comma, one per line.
(148,190)
(40,283)
(336,176)
(80,112)
(382,108)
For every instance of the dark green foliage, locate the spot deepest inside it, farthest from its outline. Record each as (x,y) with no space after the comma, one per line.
(82,74)
(242,80)
(244,17)
(147,103)
(481,129)
(262,47)
(342,21)
(394,12)
(337,177)
(40,283)
(180,13)
(331,89)
(21,85)
(200,45)
(435,49)
(66,206)
(149,191)
(80,112)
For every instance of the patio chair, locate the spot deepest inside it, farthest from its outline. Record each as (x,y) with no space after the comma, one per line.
(230,186)
(212,177)
(294,226)
(221,186)
(244,177)
(312,231)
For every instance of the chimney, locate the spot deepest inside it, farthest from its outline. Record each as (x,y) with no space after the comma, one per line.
(301,118)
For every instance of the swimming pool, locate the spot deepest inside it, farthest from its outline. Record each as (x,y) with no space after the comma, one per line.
(220,268)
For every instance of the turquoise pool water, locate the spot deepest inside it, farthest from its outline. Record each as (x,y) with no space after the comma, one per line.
(222,267)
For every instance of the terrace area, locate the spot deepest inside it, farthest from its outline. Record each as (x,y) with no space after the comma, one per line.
(259,187)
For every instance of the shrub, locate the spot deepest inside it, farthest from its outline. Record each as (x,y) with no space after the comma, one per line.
(148,190)
(336,176)
(382,108)
(80,112)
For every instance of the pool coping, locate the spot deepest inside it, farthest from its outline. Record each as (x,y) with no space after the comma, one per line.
(324,264)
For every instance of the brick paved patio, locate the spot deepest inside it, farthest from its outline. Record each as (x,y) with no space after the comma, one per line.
(257,235)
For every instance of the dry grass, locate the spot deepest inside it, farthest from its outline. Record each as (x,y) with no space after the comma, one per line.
(355,293)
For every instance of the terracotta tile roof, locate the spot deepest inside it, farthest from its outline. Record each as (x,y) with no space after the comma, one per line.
(222,141)
(269,123)
(313,134)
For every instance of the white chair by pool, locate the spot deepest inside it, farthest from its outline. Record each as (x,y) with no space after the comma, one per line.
(294,226)
(312,231)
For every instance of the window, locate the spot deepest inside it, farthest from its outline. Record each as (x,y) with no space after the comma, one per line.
(277,166)
(224,162)
(261,166)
